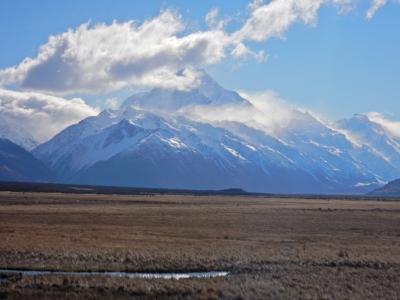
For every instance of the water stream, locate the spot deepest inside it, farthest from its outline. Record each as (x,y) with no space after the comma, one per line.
(182,275)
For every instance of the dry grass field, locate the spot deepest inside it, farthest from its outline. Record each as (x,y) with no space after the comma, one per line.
(275,248)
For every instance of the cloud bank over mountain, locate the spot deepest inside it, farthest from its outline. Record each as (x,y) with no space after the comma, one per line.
(42,115)
(267,112)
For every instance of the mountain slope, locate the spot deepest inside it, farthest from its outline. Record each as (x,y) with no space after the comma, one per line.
(139,148)
(210,158)
(150,151)
(16,164)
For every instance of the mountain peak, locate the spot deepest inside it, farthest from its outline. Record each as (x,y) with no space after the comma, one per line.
(361,123)
(361,117)
(207,92)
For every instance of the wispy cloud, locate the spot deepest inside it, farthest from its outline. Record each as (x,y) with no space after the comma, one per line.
(393,127)
(268,112)
(375,6)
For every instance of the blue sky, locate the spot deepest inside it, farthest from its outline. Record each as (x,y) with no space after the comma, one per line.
(341,65)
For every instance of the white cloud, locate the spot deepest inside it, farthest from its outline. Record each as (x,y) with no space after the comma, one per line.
(375,6)
(274,112)
(42,115)
(268,112)
(393,127)
(108,57)
(273,19)
(344,6)
(211,17)
(242,51)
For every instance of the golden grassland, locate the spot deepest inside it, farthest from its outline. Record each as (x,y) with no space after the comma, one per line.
(274,247)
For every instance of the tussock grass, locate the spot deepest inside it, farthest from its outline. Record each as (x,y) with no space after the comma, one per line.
(275,248)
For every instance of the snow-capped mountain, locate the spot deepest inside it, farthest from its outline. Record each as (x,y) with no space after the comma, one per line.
(208,92)
(151,141)
(143,149)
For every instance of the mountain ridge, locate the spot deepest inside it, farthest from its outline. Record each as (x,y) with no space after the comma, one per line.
(152,145)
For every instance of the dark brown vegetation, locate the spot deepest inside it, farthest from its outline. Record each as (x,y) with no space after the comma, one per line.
(274,248)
